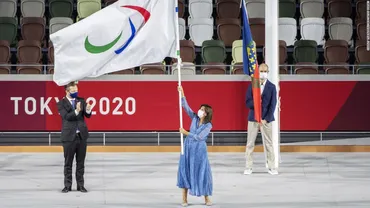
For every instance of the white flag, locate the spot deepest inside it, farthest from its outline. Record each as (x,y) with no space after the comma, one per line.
(126,34)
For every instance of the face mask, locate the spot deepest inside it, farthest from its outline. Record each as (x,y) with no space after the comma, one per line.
(73,95)
(263,75)
(200,113)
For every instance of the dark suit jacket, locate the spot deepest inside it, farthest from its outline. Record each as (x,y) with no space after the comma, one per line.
(268,105)
(70,121)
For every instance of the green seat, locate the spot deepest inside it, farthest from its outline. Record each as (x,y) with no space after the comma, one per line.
(287,8)
(363,68)
(213,51)
(61,8)
(305,51)
(86,8)
(8,28)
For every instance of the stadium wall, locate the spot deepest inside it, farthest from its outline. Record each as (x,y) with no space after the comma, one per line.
(142,110)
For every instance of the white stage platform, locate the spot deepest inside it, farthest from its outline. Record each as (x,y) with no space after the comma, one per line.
(148,180)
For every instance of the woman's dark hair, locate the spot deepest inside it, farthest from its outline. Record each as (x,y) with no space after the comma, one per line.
(209,112)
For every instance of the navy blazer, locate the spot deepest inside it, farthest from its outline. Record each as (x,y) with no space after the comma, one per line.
(268,105)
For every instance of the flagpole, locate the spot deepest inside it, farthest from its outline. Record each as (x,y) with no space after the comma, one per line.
(179,63)
(272,59)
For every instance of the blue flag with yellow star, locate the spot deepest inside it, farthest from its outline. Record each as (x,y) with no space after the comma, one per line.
(250,64)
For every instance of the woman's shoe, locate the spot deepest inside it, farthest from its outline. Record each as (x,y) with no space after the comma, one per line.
(208,201)
(184,198)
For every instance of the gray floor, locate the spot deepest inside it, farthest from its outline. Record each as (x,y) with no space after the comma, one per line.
(148,180)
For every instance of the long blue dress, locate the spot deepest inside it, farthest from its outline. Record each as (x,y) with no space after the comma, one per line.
(194,171)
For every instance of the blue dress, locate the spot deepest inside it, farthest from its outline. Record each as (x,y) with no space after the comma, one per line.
(194,171)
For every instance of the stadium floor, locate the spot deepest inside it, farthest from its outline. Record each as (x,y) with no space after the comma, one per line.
(148,180)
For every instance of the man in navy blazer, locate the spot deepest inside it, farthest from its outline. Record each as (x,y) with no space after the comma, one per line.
(269,100)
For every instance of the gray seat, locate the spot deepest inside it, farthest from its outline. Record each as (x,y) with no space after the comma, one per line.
(58,23)
(186,69)
(8,8)
(200,8)
(312,8)
(200,29)
(255,8)
(33,8)
(340,28)
(182,28)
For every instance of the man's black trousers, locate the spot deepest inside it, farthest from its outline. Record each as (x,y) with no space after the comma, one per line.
(78,148)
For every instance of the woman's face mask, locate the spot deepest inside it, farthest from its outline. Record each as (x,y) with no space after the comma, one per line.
(200,113)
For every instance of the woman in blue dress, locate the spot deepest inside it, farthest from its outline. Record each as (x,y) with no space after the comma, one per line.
(194,173)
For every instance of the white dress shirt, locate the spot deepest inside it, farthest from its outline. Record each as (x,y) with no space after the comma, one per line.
(76,112)
(263,85)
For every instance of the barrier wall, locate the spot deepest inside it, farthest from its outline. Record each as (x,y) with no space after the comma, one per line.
(150,102)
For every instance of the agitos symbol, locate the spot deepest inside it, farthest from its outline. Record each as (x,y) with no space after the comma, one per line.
(100,49)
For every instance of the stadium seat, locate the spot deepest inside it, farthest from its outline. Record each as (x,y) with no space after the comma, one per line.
(312,8)
(58,23)
(257,26)
(362,58)
(361,10)
(109,2)
(33,28)
(340,28)
(8,8)
(182,28)
(287,8)
(60,8)
(200,8)
(4,57)
(32,8)
(29,51)
(237,55)
(337,68)
(187,68)
(336,51)
(181,5)
(8,28)
(313,28)
(228,8)
(154,68)
(29,57)
(288,30)
(306,68)
(336,57)
(228,30)
(86,8)
(51,59)
(283,55)
(200,29)
(255,8)
(339,8)
(29,69)
(126,71)
(187,50)
(305,51)
(361,30)
(213,53)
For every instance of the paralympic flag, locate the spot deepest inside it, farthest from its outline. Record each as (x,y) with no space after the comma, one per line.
(126,34)
(250,64)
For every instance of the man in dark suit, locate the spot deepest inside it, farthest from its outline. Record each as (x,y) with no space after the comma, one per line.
(269,100)
(73,110)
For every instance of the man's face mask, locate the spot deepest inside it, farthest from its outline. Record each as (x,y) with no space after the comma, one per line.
(263,75)
(73,94)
